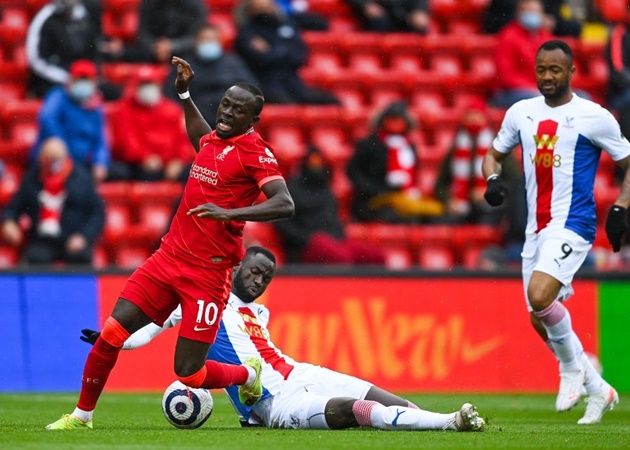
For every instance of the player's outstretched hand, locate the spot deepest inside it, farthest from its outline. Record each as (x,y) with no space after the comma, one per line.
(616,226)
(210,211)
(495,191)
(90,336)
(185,74)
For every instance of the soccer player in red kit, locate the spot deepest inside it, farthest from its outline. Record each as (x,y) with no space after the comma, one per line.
(193,266)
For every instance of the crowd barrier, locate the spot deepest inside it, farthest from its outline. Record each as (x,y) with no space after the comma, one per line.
(406,334)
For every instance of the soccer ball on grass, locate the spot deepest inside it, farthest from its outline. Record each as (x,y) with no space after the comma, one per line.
(186,407)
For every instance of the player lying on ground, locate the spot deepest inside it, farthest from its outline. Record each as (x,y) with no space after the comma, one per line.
(295,394)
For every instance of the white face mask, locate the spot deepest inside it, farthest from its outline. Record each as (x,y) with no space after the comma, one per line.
(148,94)
(209,50)
(82,89)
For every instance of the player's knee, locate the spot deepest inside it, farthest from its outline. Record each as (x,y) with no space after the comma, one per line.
(339,413)
(539,297)
(113,333)
(195,379)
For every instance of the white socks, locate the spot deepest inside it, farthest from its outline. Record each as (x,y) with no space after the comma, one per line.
(403,418)
(557,321)
(84,416)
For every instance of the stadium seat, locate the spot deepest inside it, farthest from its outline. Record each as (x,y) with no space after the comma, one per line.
(407,63)
(14,153)
(398,258)
(160,192)
(121,73)
(116,192)
(9,256)
(11,91)
(332,141)
(225,23)
(325,63)
(436,258)
(370,64)
(13,26)
(118,222)
(100,258)
(9,182)
(122,24)
(130,256)
(288,141)
(154,219)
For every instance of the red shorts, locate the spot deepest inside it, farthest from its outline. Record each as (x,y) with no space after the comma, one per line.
(163,281)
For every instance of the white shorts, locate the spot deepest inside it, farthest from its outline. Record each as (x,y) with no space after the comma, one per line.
(302,399)
(559,253)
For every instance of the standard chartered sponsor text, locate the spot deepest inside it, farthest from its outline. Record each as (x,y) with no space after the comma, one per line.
(204,174)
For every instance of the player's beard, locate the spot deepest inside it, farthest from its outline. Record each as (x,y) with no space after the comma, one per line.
(240,290)
(561,91)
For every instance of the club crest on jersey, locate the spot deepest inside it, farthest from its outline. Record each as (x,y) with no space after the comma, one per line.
(270,159)
(221,156)
(568,122)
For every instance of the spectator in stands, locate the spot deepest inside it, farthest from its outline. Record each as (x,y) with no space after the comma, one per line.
(62,32)
(149,140)
(216,69)
(515,54)
(384,172)
(558,17)
(66,213)
(315,234)
(460,184)
(75,114)
(618,56)
(299,12)
(167,28)
(386,16)
(274,49)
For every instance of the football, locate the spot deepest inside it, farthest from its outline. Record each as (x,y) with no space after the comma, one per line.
(186,407)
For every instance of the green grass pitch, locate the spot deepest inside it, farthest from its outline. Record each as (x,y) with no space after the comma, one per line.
(135,421)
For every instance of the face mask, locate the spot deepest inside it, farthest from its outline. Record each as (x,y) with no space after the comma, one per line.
(209,50)
(82,90)
(148,94)
(530,20)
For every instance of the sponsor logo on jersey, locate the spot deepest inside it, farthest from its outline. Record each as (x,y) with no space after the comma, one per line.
(221,156)
(204,174)
(270,159)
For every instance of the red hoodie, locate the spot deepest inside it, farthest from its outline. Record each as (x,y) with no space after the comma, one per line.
(139,131)
(515,56)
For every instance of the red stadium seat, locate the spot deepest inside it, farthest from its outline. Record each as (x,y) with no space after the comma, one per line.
(131,256)
(9,256)
(9,182)
(161,192)
(407,63)
(288,142)
(116,192)
(366,63)
(398,258)
(13,26)
(332,141)
(225,23)
(118,222)
(11,91)
(154,219)
(100,259)
(14,153)
(436,258)
(120,24)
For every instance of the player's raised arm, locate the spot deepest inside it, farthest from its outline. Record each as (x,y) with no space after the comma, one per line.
(196,125)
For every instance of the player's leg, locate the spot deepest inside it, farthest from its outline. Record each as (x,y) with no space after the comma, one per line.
(345,412)
(387,398)
(192,368)
(559,257)
(203,295)
(126,318)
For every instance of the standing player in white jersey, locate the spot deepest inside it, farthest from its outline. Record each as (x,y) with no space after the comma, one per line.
(295,394)
(562,136)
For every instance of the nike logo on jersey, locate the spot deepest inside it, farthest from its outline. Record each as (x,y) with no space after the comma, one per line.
(221,156)
(531,118)
(398,414)
(197,328)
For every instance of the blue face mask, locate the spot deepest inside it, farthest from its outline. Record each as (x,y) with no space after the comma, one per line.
(530,20)
(82,90)
(209,50)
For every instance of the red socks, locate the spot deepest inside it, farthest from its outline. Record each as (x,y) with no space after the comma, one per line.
(219,375)
(99,364)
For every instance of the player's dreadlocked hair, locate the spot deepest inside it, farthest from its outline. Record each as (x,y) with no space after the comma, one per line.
(255,249)
(257,93)
(557,44)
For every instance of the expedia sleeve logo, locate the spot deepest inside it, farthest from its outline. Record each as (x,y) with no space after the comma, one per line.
(269,159)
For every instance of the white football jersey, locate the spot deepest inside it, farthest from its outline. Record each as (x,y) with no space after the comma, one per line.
(561,150)
(244,333)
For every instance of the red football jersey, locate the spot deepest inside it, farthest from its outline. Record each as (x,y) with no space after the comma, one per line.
(228,173)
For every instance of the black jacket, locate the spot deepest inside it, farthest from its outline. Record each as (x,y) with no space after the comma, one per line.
(367,170)
(83,210)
